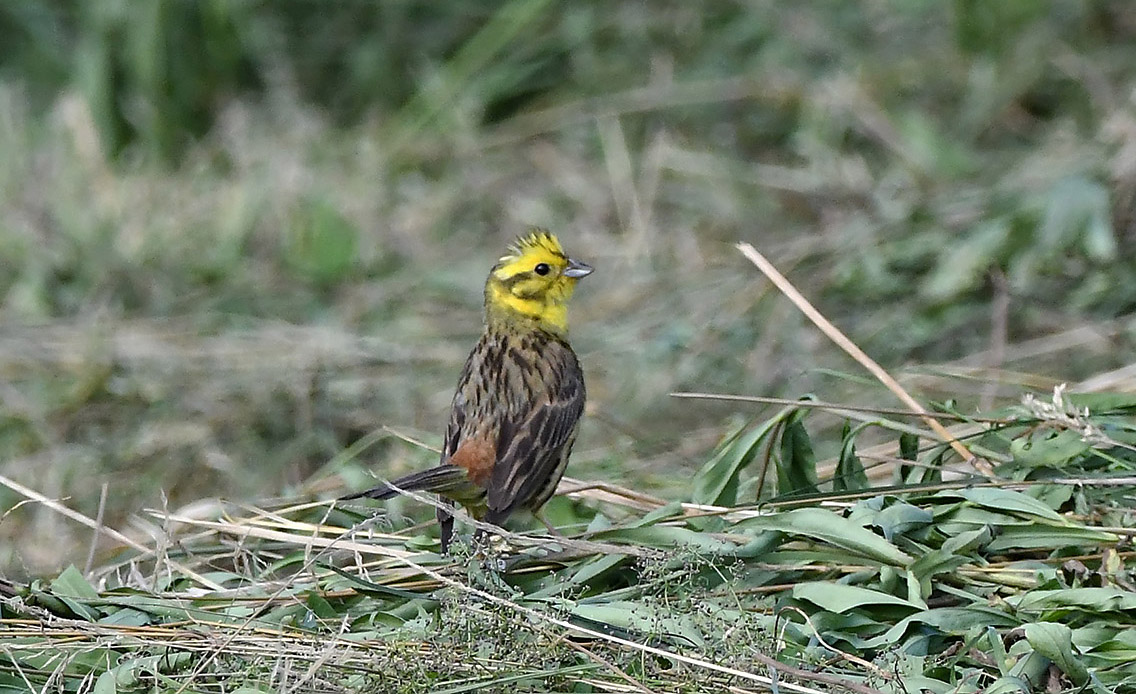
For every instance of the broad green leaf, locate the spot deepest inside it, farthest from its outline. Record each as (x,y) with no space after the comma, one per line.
(900,518)
(671,510)
(855,627)
(1048,450)
(1007,500)
(937,562)
(840,598)
(127,617)
(928,685)
(62,605)
(71,583)
(1092,636)
(996,648)
(1047,537)
(796,465)
(916,592)
(761,545)
(716,483)
(130,670)
(949,620)
(597,567)
(1009,684)
(908,446)
(319,606)
(933,470)
(363,585)
(1055,641)
(977,515)
(1103,403)
(850,474)
(642,619)
(1052,495)
(105,684)
(829,527)
(1031,667)
(967,541)
(908,450)
(1121,648)
(1093,599)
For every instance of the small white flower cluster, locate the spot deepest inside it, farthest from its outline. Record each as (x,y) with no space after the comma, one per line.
(1063,414)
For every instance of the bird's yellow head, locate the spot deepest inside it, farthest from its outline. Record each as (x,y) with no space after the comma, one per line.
(532,282)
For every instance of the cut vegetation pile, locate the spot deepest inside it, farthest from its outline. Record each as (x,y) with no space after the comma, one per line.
(901,569)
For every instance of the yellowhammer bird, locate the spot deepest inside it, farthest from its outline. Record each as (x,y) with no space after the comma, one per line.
(517,408)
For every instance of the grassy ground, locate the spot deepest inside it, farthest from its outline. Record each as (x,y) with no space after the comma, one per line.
(954,186)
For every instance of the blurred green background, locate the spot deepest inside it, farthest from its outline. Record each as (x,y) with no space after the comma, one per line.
(238,236)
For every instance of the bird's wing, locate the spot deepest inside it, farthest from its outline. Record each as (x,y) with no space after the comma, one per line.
(533,438)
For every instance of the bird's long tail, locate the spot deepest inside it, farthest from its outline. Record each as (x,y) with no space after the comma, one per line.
(447,480)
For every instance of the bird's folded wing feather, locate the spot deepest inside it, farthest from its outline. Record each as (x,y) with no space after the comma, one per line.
(531,444)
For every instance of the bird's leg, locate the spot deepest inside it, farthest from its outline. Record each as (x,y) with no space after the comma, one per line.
(446,521)
(551,528)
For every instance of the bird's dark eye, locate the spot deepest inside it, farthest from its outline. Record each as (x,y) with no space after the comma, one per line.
(542,269)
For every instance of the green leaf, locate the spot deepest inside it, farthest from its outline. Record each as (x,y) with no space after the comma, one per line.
(850,474)
(72,584)
(365,586)
(642,619)
(908,450)
(501,684)
(937,562)
(588,571)
(900,518)
(1055,641)
(839,598)
(1007,500)
(967,541)
(1121,648)
(320,607)
(908,446)
(1049,450)
(933,470)
(105,684)
(716,483)
(1103,403)
(1047,537)
(127,617)
(948,620)
(829,527)
(796,466)
(1092,599)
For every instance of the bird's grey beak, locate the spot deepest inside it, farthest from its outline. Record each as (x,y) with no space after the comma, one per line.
(576,269)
